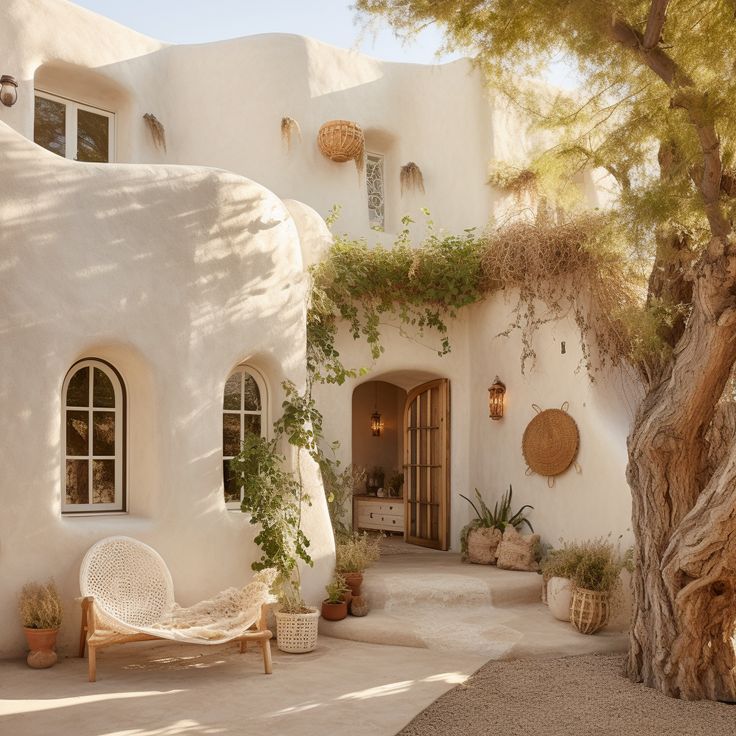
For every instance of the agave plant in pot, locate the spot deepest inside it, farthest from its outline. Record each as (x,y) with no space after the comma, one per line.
(480,538)
(41,614)
(274,498)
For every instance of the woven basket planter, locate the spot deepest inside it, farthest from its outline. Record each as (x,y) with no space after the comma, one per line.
(589,610)
(341,140)
(296,633)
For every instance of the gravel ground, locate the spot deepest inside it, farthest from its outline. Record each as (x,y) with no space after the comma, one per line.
(572,696)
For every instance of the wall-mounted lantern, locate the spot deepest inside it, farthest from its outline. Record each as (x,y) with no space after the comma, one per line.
(496,392)
(8,90)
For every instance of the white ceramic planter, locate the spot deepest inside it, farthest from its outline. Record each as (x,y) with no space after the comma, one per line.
(559,597)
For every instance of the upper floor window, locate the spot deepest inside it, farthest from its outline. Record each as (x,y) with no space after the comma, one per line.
(93,439)
(243,410)
(376,197)
(74,130)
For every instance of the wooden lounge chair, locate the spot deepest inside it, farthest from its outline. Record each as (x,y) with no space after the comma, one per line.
(128,595)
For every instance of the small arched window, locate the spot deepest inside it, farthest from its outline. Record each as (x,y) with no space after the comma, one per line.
(93,439)
(243,410)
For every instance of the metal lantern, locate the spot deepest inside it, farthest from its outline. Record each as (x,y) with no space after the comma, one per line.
(376,424)
(8,90)
(496,392)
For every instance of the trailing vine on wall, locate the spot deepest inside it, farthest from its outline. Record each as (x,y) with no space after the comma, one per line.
(580,267)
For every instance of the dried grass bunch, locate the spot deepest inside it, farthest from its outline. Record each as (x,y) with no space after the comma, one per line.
(40,606)
(574,268)
(411,178)
(158,132)
(290,129)
(357,553)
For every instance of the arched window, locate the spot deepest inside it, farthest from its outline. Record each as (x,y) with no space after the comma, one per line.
(243,410)
(93,439)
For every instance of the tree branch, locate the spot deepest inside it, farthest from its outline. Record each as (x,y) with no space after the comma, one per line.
(655,23)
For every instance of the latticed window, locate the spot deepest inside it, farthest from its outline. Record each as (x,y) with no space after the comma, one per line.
(243,411)
(376,199)
(93,439)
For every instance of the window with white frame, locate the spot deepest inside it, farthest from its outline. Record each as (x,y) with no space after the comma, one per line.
(244,409)
(375,185)
(73,130)
(93,439)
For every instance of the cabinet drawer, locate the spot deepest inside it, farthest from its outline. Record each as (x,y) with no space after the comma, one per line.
(382,507)
(373,520)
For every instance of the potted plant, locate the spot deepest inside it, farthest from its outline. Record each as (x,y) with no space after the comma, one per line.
(595,577)
(480,538)
(41,614)
(335,606)
(353,555)
(558,570)
(395,485)
(274,497)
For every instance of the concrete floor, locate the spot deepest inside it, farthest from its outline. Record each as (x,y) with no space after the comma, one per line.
(433,622)
(161,689)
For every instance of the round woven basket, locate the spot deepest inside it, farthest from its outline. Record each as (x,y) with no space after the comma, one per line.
(341,140)
(589,610)
(297,632)
(550,442)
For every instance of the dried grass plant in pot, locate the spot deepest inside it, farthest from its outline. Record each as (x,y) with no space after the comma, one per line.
(41,614)
(353,555)
(558,570)
(595,578)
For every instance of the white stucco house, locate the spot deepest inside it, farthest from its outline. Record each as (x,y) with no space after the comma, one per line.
(152,301)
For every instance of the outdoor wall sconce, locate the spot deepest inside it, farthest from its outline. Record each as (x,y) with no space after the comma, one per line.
(496,392)
(8,90)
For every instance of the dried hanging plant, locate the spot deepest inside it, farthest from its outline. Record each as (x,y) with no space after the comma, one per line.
(290,128)
(411,178)
(158,132)
(515,181)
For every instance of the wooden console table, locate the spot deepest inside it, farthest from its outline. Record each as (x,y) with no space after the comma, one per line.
(384,514)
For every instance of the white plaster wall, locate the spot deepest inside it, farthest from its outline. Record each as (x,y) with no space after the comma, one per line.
(222,103)
(174,275)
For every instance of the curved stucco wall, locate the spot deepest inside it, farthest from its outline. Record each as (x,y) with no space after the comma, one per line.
(222,103)
(174,275)
(487,454)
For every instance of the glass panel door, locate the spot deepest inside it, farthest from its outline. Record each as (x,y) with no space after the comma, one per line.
(49,126)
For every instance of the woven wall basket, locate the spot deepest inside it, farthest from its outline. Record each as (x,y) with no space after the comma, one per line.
(550,443)
(341,140)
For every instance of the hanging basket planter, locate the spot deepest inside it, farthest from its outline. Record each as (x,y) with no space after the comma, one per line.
(342,140)
(590,610)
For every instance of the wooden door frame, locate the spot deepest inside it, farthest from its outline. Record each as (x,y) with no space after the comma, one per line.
(443,384)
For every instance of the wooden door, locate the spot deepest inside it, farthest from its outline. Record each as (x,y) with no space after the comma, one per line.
(427,465)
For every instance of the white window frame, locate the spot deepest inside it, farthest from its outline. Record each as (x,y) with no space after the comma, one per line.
(380,159)
(120,411)
(260,380)
(72,107)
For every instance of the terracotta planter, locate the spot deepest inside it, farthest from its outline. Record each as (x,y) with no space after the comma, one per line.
(42,646)
(559,597)
(334,611)
(353,580)
(359,606)
(590,610)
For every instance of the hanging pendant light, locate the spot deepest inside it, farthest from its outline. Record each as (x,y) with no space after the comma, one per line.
(376,420)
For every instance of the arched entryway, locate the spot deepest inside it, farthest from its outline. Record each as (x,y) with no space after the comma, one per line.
(401,451)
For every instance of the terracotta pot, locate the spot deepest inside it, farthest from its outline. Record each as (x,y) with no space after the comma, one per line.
(559,597)
(353,580)
(334,611)
(42,645)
